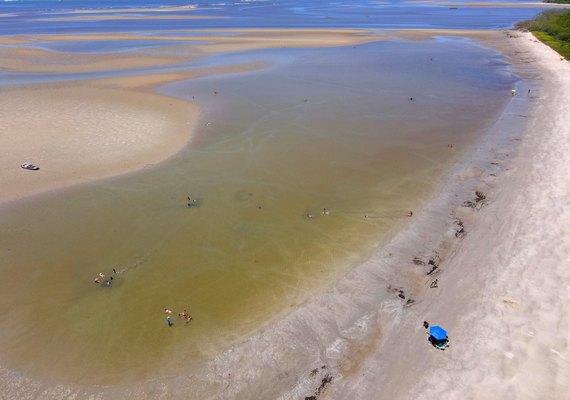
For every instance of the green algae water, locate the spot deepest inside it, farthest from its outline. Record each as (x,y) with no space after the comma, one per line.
(298,172)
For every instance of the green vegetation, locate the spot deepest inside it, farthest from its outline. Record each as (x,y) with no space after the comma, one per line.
(553,28)
(558,1)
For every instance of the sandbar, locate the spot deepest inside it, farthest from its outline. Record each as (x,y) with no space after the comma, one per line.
(93,129)
(44,61)
(135,9)
(79,133)
(128,17)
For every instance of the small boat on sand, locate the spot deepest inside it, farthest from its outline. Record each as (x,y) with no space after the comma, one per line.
(29,166)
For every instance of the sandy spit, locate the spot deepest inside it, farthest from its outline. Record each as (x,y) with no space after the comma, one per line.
(81,133)
(21,59)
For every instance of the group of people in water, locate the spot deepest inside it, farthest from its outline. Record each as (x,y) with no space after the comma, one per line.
(183,315)
(102,281)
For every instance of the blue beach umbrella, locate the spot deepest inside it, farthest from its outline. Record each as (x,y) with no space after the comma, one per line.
(438,332)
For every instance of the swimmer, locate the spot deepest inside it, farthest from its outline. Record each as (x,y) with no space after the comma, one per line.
(410,213)
(101,275)
(97,280)
(167,311)
(325,211)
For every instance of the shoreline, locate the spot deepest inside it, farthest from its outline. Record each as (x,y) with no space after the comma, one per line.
(353,340)
(503,285)
(352,337)
(332,337)
(355,317)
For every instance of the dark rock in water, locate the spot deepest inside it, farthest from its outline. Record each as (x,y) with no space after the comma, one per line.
(401,295)
(432,270)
